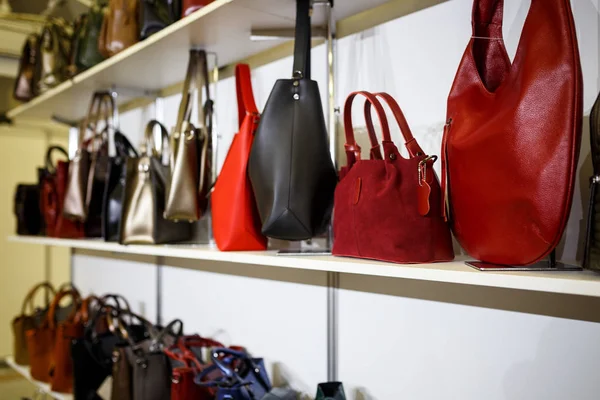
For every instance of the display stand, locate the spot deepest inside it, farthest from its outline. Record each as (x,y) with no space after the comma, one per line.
(547,265)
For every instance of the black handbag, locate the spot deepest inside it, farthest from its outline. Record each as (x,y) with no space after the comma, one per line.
(330,391)
(156,15)
(591,259)
(290,167)
(112,204)
(27,210)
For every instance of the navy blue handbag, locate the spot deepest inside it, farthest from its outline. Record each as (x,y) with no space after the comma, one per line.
(243,377)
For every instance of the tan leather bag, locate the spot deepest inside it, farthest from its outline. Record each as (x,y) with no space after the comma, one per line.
(25,85)
(41,340)
(191,148)
(30,318)
(120,27)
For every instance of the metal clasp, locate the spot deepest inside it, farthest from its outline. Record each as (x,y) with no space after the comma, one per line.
(422,169)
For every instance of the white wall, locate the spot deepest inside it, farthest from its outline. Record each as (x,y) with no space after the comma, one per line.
(397,338)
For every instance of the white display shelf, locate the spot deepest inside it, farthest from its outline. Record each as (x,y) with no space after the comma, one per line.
(223,27)
(44,387)
(584,283)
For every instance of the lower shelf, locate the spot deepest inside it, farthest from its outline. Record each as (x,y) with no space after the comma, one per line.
(44,387)
(584,283)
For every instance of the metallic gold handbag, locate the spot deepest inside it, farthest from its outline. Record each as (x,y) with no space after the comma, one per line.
(142,221)
(191,157)
(54,49)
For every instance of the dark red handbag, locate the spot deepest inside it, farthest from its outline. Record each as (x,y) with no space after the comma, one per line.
(388,207)
(236,223)
(189,6)
(511,144)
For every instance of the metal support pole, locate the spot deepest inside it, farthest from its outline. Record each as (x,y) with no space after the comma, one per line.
(333,279)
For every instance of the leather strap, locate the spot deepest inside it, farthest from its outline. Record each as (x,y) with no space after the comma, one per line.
(352,148)
(245,94)
(75,297)
(123,146)
(302,44)
(49,164)
(196,79)
(410,142)
(151,149)
(28,301)
(85,310)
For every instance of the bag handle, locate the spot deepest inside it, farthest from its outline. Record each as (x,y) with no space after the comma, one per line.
(75,298)
(150,148)
(486,19)
(245,95)
(52,149)
(123,146)
(302,43)
(28,301)
(410,142)
(196,78)
(85,310)
(352,148)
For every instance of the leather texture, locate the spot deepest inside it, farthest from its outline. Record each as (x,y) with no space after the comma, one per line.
(191,146)
(120,27)
(122,380)
(30,318)
(88,170)
(591,259)
(236,223)
(25,84)
(112,206)
(291,170)
(511,145)
(53,180)
(330,391)
(146,179)
(378,214)
(41,340)
(88,53)
(189,6)
(27,209)
(156,15)
(244,377)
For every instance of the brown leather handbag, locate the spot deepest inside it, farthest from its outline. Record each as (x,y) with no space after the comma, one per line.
(30,318)
(65,331)
(146,177)
(88,171)
(41,340)
(511,143)
(191,146)
(25,83)
(120,27)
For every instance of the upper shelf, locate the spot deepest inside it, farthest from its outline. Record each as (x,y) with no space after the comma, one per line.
(574,283)
(223,27)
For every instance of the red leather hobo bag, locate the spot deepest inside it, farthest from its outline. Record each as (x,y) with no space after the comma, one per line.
(511,144)
(236,223)
(388,207)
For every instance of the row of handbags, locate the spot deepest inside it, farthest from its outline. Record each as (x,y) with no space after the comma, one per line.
(78,347)
(63,49)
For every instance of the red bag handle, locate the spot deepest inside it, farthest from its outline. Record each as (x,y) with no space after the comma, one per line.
(245,95)
(351,147)
(411,143)
(487,18)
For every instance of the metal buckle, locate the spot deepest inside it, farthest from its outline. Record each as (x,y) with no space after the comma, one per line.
(422,169)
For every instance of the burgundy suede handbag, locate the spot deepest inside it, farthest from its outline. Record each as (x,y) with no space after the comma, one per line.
(388,207)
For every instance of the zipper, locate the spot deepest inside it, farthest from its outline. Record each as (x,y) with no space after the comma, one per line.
(444,184)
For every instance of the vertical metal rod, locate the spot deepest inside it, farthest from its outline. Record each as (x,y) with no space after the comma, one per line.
(332,117)
(160,262)
(332,326)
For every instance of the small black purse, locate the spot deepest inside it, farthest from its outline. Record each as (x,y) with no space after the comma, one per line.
(293,176)
(27,210)
(591,259)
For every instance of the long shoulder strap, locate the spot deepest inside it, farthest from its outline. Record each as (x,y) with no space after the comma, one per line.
(245,95)
(302,39)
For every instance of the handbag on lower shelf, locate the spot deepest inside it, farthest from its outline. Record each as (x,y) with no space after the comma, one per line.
(330,391)
(146,180)
(41,340)
(388,207)
(30,318)
(591,258)
(236,223)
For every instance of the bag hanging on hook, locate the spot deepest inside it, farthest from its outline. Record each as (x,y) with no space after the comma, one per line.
(511,144)
(292,173)
(191,147)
